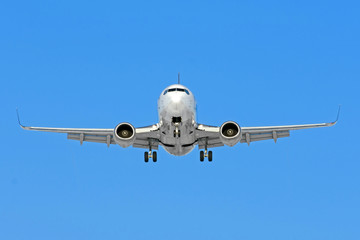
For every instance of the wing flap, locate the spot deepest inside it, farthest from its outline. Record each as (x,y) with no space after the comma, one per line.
(146,143)
(83,137)
(211,141)
(258,136)
(213,145)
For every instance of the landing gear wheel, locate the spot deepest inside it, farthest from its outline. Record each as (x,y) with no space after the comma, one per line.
(154,156)
(146,156)
(201,156)
(210,156)
(176,134)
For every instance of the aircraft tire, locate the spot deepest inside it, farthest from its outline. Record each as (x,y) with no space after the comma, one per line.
(146,156)
(210,156)
(201,156)
(154,157)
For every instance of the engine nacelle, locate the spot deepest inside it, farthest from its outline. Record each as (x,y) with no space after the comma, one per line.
(230,133)
(124,134)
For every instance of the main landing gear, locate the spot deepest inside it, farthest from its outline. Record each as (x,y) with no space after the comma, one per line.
(207,154)
(204,154)
(150,154)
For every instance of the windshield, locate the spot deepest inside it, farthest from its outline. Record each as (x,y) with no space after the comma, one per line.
(177,90)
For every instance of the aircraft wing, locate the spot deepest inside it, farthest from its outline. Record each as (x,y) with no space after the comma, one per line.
(252,134)
(82,134)
(210,135)
(145,136)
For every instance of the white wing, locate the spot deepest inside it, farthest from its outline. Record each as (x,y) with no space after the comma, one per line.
(145,136)
(210,135)
(251,134)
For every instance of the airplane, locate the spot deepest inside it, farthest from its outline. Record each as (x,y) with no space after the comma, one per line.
(177,131)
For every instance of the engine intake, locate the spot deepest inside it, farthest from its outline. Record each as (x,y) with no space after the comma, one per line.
(230,133)
(124,134)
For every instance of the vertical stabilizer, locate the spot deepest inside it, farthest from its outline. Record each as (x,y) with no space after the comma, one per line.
(178,78)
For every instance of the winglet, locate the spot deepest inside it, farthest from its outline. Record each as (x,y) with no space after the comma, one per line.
(337,117)
(17,112)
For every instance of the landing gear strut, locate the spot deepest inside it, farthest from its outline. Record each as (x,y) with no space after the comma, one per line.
(150,154)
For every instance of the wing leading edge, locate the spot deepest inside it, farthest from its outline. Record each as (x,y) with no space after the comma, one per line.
(210,136)
(145,136)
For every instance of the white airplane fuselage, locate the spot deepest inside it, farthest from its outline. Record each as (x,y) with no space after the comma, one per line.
(177,119)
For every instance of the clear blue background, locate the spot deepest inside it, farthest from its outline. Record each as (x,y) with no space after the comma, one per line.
(98,63)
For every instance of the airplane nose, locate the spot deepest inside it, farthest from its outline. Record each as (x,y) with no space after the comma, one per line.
(176,99)
(176,105)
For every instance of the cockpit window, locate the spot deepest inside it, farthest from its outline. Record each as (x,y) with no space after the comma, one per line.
(177,90)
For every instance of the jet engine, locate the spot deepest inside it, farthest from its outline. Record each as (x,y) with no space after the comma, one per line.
(230,133)
(124,134)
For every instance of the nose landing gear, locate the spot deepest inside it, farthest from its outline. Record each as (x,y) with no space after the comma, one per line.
(176,122)
(176,132)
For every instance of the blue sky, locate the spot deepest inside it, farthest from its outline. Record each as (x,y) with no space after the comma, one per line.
(98,63)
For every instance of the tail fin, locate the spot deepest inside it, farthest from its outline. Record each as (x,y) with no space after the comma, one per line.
(178,78)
